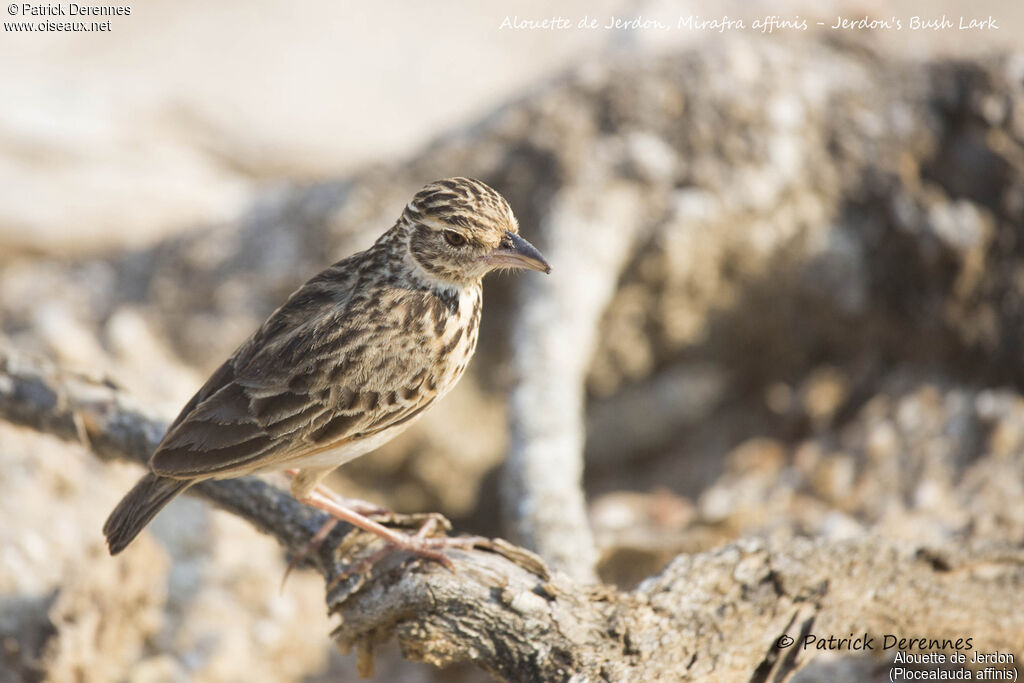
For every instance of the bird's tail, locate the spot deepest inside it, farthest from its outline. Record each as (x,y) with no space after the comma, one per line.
(139,507)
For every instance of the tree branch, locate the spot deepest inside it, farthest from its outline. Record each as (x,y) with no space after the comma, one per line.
(554,338)
(719,613)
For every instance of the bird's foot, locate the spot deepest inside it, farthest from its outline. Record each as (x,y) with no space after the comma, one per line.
(422,544)
(310,548)
(360,507)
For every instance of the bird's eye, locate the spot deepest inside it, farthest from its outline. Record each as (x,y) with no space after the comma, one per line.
(455,239)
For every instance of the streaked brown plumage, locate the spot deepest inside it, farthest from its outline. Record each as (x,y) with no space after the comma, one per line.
(352,358)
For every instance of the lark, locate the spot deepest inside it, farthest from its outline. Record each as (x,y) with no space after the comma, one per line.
(352,358)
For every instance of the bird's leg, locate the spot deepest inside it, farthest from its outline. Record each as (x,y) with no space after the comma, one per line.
(304,481)
(363,507)
(306,489)
(420,543)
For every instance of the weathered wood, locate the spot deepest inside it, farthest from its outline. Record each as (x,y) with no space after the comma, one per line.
(719,613)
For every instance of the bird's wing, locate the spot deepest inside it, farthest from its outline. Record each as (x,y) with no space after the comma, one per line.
(318,374)
(214,433)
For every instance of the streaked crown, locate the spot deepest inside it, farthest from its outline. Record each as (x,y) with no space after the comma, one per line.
(464,202)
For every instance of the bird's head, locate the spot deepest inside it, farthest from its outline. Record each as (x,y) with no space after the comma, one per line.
(460,229)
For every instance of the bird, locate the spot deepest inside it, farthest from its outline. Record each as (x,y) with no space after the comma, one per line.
(351,359)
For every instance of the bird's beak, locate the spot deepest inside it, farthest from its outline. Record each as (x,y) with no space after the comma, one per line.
(515,252)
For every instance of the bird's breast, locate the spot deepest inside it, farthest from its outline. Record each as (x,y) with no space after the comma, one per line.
(455,342)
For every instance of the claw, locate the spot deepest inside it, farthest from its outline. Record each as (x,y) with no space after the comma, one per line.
(314,545)
(418,544)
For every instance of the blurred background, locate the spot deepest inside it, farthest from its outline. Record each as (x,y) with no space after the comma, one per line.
(815,330)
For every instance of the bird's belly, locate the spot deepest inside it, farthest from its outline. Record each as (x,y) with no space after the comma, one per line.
(335,457)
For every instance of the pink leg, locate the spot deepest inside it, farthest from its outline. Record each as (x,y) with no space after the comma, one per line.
(417,543)
(363,507)
(420,543)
